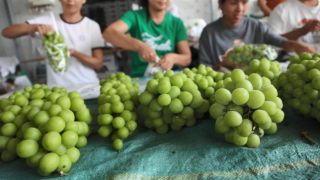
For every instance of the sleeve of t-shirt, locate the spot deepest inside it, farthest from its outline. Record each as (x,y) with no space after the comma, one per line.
(272,38)
(181,32)
(97,41)
(205,49)
(40,20)
(277,20)
(130,19)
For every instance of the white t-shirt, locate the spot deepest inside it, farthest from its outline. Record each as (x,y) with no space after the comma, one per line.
(292,15)
(83,36)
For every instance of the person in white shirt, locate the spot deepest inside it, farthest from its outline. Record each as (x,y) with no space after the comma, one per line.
(298,20)
(173,9)
(82,36)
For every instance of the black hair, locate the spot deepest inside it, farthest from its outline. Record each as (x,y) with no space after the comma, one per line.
(223,1)
(145,4)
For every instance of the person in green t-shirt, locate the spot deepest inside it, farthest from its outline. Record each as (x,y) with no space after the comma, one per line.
(154,33)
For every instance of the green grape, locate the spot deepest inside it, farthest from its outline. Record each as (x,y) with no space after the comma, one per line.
(123,133)
(118,122)
(7,117)
(272,130)
(21,100)
(158,75)
(240,96)
(32,133)
(61,150)
(239,140)
(188,85)
(203,83)
(245,84)
(117,107)
(253,141)
(261,116)
(27,125)
(166,111)
(176,80)
(305,109)
(51,141)
(256,99)
(69,139)
(54,110)
(9,129)
(46,106)
(265,81)
(313,73)
(221,126)
(27,148)
(209,92)
(64,102)
(53,97)
(34,161)
(64,163)
(313,94)
(145,98)
(41,117)
(178,121)
(126,115)
(164,87)
(105,131)
(152,86)
(229,135)
(131,125)
(105,109)
(67,116)
(176,106)
(71,126)
(128,105)
(297,93)
(155,106)
(154,114)
(157,122)
(233,118)
(237,75)
(163,129)
(174,92)
(204,107)
(56,124)
(117,144)
(12,145)
(270,107)
(77,104)
(49,162)
(316,83)
(7,156)
(216,110)
(254,65)
(223,96)
(296,104)
(197,101)
(305,99)
(36,103)
(164,100)
(186,98)
(3,142)
(187,113)
(148,123)
(255,80)
(245,128)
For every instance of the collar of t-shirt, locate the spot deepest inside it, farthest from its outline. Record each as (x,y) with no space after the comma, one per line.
(308,8)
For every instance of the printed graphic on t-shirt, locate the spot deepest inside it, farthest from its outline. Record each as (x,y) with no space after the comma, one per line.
(152,42)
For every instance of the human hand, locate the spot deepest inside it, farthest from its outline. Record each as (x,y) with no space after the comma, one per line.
(72,51)
(311,26)
(167,61)
(147,53)
(43,29)
(301,47)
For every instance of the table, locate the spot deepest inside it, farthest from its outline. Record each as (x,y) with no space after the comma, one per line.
(192,153)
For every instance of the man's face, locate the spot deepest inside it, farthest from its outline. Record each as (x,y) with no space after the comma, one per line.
(159,5)
(234,10)
(72,6)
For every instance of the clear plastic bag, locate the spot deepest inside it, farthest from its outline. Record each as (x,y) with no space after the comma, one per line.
(152,70)
(246,53)
(57,52)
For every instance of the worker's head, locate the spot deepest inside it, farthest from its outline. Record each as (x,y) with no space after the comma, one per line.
(233,10)
(72,6)
(156,5)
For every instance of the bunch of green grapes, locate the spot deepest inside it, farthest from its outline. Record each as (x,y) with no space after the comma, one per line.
(264,67)
(300,85)
(118,104)
(246,109)
(171,101)
(57,51)
(44,126)
(244,54)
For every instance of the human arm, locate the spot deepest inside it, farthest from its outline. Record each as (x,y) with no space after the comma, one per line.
(182,59)
(310,26)
(115,34)
(264,8)
(95,61)
(18,30)
(297,47)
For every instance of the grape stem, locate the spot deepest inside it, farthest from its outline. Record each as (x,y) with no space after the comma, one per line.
(305,135)
(62,173)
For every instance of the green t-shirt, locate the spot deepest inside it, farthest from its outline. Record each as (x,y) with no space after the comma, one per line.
(162,38)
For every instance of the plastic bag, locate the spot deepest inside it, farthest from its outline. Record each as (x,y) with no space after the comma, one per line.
(57,52)
(246,53)
(152,70)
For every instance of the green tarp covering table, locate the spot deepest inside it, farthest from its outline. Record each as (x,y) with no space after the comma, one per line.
(192,153)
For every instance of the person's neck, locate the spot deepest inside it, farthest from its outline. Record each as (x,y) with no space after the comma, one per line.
(229,23)
(157,16)
(72,17)
(309,3)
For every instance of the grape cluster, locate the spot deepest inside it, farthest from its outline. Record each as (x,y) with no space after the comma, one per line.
(264,67)
(246,108)
(244,54)
(172,101)
(57,51)
(44,126)
(300,84)
(117,108)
